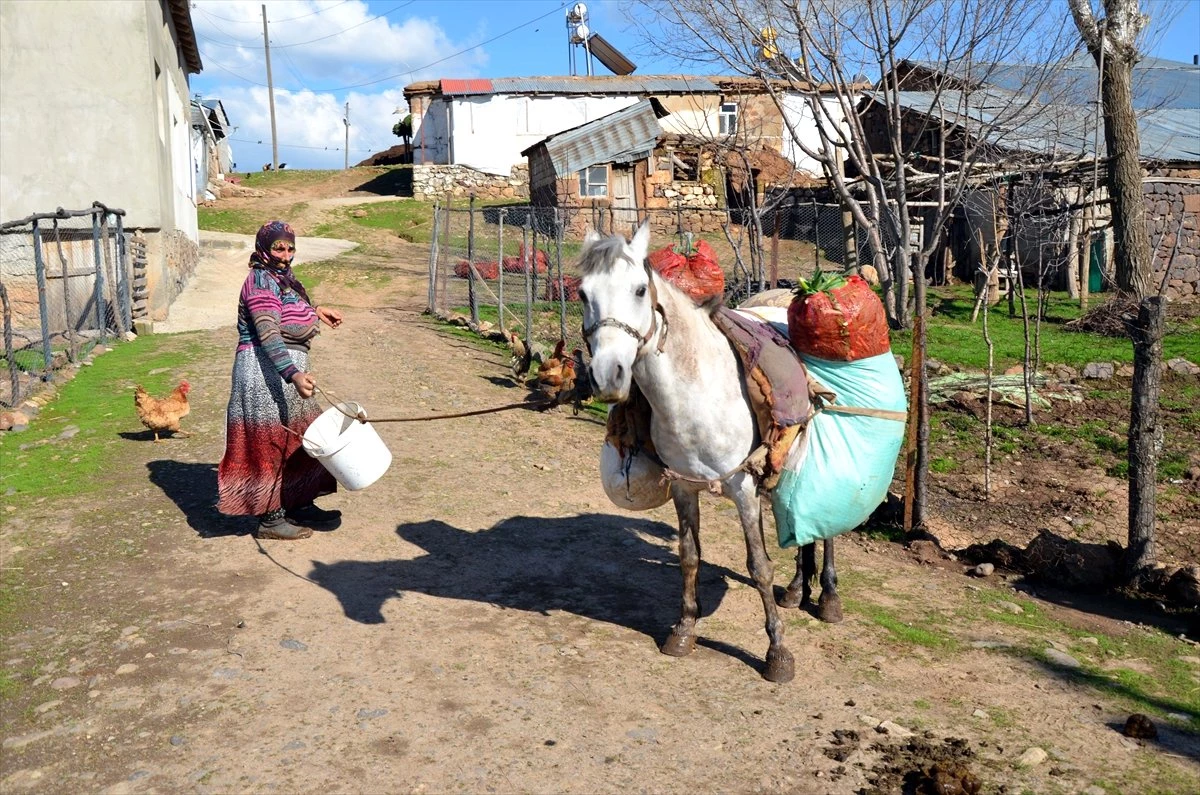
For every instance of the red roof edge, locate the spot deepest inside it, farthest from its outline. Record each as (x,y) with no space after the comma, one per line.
(475,85)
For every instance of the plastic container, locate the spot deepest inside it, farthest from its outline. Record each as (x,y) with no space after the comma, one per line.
(634,484)
(351,450)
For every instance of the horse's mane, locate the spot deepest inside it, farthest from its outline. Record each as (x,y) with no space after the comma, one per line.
(601,254)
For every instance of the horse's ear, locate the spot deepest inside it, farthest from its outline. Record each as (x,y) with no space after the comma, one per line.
(641,241)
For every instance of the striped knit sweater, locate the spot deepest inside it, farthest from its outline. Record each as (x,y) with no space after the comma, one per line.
(275,319)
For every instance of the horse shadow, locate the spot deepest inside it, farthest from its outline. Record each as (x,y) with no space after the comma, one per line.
(598,566)
(193,488)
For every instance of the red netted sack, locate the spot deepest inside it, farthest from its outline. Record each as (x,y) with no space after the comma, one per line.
(541,262)
(696,274)
(838,318)
(570,287)
(486,269)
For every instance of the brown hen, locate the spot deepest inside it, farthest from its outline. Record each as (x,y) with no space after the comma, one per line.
(163,414)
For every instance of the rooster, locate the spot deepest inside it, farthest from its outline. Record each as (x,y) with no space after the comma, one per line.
(163,414)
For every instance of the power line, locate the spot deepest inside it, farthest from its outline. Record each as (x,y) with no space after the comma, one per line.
(410,71)
(448,57)
(301,146)
(343,30)
(255,21)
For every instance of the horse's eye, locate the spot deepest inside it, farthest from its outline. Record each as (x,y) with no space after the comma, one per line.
(641,291)
(582,297)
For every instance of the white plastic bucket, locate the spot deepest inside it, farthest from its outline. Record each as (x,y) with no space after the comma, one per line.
(635,485)
(351,450)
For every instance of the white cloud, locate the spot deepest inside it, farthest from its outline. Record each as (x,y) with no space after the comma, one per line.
(318,62)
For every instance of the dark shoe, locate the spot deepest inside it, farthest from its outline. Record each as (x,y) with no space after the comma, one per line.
(275,525)
(316,518)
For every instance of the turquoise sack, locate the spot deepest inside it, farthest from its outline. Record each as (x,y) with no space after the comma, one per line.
(839,473)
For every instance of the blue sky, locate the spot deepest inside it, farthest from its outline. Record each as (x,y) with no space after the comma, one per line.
(325,53)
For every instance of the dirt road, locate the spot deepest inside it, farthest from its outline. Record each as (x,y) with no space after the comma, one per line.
(485,621)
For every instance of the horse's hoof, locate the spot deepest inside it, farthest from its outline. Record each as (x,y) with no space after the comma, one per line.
(789,599)
(829,609)
(781,667)
(679,644)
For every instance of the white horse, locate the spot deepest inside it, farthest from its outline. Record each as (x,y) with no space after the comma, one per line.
(641,329)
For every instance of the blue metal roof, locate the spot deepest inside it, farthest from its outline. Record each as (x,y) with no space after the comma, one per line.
(622,137)
(1157,83)
(605,84)
(1059,130)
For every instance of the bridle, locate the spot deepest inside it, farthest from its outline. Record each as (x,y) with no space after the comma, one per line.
(642,339)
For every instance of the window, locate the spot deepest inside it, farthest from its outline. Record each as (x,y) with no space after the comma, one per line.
(593,181)
(728,118)
(685,165)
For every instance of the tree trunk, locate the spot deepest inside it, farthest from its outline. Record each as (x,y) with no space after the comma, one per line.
(1132,241)
(1145,435)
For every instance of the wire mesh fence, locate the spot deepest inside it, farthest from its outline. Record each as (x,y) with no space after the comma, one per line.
(515,268)
(65,284)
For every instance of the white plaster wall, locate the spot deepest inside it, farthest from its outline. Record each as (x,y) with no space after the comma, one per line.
(80,118)
(800,118)
(489,132)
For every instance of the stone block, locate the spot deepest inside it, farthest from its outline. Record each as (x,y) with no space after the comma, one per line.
(143,326)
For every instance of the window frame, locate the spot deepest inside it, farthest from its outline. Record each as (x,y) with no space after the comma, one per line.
(586,182)
(727,118)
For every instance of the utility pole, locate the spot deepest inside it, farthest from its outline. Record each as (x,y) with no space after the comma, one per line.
(346,121)
(270,93)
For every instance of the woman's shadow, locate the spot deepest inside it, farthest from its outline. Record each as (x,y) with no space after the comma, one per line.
(193,488)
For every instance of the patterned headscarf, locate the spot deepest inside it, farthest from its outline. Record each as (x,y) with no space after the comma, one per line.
(264,259)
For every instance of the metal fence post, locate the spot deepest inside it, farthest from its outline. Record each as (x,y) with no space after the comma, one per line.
(816,237)
(443,272)
(125,301)
(500,274)
(14,372)
(431,302)
(98,292)
(43,305)
(68,325)
(562,286)
(472,296)
(527,266)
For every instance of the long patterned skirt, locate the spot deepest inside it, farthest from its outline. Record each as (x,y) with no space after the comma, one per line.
(264,467)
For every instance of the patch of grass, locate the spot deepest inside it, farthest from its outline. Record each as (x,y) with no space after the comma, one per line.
(943,465)
(912,633)
(955,340)
(245,222)
(99,401)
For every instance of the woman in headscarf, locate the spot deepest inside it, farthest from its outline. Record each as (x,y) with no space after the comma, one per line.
(265,472)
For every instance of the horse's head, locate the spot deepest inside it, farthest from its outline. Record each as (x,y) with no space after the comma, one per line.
(618,308)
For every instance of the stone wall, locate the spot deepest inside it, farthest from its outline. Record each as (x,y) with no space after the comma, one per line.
(432,181)
(1167,202)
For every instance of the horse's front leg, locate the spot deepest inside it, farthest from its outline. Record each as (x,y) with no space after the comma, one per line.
(829,606)
(799,590)
(780,665)
(682,640)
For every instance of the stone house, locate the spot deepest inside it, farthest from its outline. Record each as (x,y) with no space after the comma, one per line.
(470,135)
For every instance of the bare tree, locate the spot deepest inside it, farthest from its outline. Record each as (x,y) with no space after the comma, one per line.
(1113,42)
(898,163)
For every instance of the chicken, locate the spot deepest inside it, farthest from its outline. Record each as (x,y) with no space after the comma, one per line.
(163,414)
(558,377)
(524,356)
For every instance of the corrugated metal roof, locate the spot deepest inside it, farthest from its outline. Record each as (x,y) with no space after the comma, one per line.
(476,85)
(604,84)
(622,137)
(1157,83)
(1060,130)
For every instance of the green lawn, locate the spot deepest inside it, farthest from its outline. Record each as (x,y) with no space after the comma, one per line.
(38,463)
(955,340)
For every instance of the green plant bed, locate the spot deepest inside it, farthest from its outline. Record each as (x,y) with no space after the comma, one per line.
(954,340)
(39,463)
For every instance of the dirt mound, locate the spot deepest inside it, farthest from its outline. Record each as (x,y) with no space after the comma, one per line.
(395,156)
